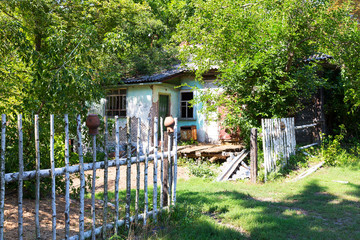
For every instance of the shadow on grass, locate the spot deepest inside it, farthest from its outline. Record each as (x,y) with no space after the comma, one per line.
(312,214)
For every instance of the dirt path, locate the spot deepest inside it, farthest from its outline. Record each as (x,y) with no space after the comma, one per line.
(11,209)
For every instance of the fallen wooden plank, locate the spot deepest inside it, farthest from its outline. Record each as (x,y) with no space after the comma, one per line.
(309,171)
(308,146)
(194,149)
(305,126)
(232,166)
(223,148)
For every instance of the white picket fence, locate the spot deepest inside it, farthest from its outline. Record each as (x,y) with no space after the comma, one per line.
(279,141)
(113,224)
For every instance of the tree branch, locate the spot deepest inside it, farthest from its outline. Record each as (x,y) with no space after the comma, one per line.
(9,15)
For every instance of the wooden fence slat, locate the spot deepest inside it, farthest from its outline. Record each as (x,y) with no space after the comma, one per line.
(137,196)
(93,187)
(67,179)
(82,179)
(106,170)
(2,174)
(278,141)
(264,142)
(169,169)
(155,168)
(53,193)
(128,173)
(117,143)
(37,186)
(293,135)
(175,160)
(146,200)
(162,164)
(20,181)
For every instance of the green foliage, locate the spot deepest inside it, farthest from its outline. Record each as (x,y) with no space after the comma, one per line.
(201,169)
(188,142)
(335,152)
(294,163)
(260,48)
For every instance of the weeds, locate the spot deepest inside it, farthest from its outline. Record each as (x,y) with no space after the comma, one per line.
(201,169)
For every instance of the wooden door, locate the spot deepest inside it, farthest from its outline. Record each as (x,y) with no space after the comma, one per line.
(164,107)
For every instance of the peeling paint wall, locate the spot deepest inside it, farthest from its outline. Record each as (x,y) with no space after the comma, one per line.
(143,102)
(172,92)
(207,131)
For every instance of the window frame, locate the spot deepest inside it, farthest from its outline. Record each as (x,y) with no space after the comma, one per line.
(110,96)
(187,107)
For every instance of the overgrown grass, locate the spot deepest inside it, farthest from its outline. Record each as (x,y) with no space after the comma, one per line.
(316,207)
(324,205)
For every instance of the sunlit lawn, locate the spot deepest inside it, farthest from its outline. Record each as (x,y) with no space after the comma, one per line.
(324,205)
(316,207)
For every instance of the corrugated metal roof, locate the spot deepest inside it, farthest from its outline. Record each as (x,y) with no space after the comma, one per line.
(159,77)
(318,57)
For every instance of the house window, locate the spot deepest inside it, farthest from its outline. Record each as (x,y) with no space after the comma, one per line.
(116,103)
(186,110)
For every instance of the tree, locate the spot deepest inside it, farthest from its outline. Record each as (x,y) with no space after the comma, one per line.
(261,49)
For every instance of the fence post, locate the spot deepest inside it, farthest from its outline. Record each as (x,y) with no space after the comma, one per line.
(2,189)
(162,164)
(155,168)
(137,195)
(106,166)
(93,224)
(82,179)
(170,135)
(37,176)
(117,142)
(20,181)
(175,160)
(67,182)
(253,155)
(53,193)
(165,175)
(128,174)
(146,200)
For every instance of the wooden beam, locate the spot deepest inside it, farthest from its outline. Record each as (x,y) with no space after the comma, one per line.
(253,155)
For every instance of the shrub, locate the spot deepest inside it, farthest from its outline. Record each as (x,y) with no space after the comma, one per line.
(201,169)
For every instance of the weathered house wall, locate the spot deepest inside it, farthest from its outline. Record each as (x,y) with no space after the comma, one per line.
(142,101)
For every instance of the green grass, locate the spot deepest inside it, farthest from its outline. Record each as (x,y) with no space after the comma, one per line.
(313,208)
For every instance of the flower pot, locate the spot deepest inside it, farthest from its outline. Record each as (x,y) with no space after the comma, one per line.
(93,122)
(169,123)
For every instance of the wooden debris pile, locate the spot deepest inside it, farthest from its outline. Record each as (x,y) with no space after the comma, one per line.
(210,151)
(235,168)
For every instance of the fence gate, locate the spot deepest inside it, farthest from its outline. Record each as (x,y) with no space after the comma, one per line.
(278,141)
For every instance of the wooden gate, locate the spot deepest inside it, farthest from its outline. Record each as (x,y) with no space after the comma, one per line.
(278,141)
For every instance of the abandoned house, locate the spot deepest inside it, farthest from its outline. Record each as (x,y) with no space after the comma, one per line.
(161,95)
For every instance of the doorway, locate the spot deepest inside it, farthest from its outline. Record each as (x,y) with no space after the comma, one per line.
(164,108)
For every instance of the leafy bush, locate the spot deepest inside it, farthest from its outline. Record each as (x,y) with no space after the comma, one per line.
(336,151)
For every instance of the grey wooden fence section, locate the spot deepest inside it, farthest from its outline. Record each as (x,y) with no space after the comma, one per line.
(279,141)
(107,224)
